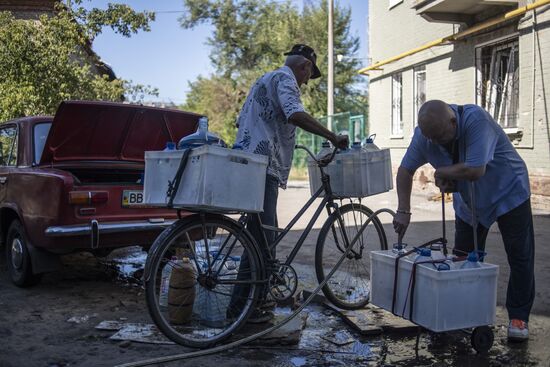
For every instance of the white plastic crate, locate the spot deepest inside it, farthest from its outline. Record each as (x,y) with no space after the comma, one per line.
(215,178)
(355,173)
(443,300)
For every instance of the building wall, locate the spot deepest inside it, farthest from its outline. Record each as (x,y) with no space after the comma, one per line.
(28,9)
(535,98)
(399,29)
(451,76)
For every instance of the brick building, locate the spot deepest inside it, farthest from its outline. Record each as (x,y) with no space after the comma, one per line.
(495,53)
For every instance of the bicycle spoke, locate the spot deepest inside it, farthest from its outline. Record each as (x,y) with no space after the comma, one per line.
(210,289)
(350,285)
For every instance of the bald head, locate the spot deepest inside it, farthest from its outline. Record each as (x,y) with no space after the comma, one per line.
(295,60)
(437,121)
(301,67)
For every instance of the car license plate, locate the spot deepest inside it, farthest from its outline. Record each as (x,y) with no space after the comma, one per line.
(132,197)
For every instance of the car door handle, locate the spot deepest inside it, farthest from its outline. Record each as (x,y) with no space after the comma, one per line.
(3,179)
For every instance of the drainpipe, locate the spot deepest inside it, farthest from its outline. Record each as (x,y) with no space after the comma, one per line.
(533,84)
(330,81)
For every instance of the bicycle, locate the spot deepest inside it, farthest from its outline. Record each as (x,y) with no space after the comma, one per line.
(228,272)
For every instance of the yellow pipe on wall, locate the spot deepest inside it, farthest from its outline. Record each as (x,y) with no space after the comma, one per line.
(489,23)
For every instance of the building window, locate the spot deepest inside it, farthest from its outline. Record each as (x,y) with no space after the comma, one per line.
(397,105)
(498,81)
(419,91)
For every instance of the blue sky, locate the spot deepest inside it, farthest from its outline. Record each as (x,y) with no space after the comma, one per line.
(169,56)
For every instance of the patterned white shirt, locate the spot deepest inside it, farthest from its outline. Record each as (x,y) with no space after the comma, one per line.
(263,121)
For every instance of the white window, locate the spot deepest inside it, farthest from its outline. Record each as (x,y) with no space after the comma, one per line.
(498,81)
(397,105)
(419,91)
(395,2)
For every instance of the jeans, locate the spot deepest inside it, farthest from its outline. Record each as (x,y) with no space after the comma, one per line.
(516,228)
(268,217)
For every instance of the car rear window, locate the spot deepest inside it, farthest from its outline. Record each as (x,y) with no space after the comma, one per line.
(40,134)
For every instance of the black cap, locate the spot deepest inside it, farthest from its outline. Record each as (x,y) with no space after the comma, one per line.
(308,53)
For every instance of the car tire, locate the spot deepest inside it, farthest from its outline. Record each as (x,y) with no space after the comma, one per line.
(18,258)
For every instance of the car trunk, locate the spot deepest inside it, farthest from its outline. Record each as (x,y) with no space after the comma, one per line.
(92,134)
(123,175)
(102,145)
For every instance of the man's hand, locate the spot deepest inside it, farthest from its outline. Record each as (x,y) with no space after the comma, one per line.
(445,185)
(401,221)
(340,141)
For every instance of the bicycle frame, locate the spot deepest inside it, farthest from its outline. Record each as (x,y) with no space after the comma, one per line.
(327,201)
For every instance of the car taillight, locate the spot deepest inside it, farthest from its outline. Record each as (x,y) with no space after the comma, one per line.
(88,197)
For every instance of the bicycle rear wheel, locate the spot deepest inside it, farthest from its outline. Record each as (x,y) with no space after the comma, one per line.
(349,286)
(202,279)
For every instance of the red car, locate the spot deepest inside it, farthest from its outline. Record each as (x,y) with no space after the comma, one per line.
(73,182)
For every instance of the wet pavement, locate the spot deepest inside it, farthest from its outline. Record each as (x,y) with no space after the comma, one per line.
(328,340)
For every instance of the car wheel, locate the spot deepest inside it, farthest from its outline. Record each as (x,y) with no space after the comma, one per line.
(18,258)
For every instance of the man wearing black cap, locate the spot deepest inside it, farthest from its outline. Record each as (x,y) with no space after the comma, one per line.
(267,125)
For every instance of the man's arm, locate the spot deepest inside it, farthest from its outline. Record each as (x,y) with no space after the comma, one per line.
(404,181)
(308,123)
(459,171)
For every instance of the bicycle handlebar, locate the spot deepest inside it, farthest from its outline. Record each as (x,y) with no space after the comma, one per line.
(324,161)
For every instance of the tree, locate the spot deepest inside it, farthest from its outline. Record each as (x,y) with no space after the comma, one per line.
(249,39)
(220,98)
(120,17)
(47,61)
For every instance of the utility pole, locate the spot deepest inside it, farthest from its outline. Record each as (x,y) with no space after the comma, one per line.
(330,83)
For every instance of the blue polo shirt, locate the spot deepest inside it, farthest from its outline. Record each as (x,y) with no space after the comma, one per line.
(481,141)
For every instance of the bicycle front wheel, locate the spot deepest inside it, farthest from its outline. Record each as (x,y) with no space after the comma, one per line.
(202,278)
(349,286)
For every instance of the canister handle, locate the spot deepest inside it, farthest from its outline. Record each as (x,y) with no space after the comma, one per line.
(474,215)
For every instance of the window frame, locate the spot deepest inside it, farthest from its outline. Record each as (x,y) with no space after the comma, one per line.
(504,42)
(13,146)
(399,133)
(36,161)
(419,69)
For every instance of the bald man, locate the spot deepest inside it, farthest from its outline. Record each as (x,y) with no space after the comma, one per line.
(463,144)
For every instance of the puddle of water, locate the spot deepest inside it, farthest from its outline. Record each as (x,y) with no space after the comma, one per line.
(361,349)
(128,263)
(453,348)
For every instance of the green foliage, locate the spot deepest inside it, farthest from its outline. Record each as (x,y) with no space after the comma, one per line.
(46,61)
(249,39)
(220,97)
(121,18)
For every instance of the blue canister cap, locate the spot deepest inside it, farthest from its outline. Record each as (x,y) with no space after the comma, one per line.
(425,252)
(472,256)
(170,145)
